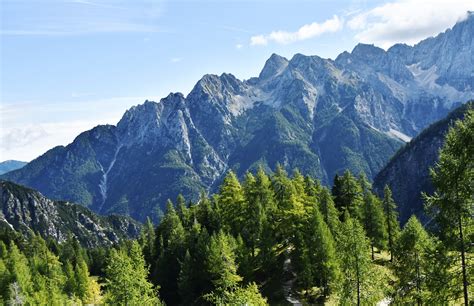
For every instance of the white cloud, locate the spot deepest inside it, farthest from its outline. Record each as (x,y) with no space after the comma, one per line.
(176,59)
(30,128)
(239,46)
(407,21)
(307,31)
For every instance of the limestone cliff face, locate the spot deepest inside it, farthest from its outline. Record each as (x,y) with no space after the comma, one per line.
(27,211)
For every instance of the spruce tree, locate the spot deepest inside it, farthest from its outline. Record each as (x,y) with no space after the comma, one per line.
(147,240)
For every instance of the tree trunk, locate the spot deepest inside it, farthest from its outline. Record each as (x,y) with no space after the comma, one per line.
(463,263)
(373,258)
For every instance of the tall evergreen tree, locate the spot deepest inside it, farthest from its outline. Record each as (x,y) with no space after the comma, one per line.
(82,282)
(20,274)
(410,262)
(170,250)
(391,219)
(126,277)
(220,262)
(347,194)
(453,201)
(231,204)
(322,252)
(374,222)
(356,267)
(329,211)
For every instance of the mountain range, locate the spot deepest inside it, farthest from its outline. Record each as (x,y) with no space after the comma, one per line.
(27,211)
(10,165)
(321,116)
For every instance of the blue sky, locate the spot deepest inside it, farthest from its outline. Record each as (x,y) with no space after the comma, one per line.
(68,65)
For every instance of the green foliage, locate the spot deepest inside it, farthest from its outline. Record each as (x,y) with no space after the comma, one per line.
(239,246)
(411,262)
(356,266)
(391,219)
(126,278)
(220,262)
(453,202)
(347,194)
(238,296)
(374,222)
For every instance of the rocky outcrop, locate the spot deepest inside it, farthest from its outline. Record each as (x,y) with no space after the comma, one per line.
(27,211)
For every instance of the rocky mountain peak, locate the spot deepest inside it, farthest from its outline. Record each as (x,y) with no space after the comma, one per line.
(273,66)
(367,52)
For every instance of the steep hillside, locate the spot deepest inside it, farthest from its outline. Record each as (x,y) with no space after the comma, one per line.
(26,210)
(407,173)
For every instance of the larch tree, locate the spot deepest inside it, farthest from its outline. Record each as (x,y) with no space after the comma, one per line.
(356,269)
(453,201)
(391,219)
(410,261)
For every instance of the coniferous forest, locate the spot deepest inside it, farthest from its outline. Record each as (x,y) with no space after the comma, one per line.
(271,239)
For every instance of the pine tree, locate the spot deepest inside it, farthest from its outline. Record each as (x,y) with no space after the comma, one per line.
(413,245)
(391,219)
(452,203)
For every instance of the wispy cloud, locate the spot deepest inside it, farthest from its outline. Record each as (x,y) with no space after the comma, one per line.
(407,21)
(305,32)
(176,59)
(79,17)
(239,46)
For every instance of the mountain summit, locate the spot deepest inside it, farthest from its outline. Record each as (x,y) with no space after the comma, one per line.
(319,115)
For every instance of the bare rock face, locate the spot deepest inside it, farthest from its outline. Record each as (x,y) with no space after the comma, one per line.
(319,115)
(27,211)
